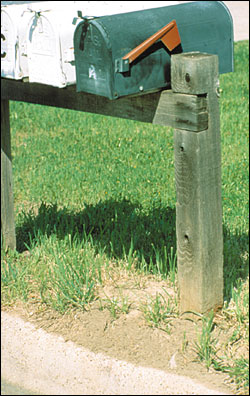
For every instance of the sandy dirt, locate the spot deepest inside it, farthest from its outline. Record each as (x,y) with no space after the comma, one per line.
(92,352)
(49,365)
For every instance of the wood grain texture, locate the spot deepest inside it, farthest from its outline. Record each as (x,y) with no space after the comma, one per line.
(139,108)
(162,108)
(182,111)
(7,201)
(198,187)
(187,76)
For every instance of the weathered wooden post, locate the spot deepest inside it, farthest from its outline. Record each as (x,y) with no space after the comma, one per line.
(198,186)
(7,203)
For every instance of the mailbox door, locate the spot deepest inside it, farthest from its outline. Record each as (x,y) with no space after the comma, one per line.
(44,53)
(14,20)
(94,60)
(50,43)
(9,62)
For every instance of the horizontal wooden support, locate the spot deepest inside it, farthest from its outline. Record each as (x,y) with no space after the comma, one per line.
(163,108)
(139,108)
(182,111)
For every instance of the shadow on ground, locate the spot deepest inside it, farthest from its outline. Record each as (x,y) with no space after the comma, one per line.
(122,229)
(116,227)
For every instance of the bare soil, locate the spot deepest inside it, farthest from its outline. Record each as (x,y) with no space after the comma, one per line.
(129,337)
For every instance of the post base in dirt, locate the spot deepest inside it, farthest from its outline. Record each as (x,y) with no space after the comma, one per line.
(198,188)
(7,202)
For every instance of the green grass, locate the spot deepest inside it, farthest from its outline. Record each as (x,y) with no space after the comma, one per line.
(90,190)
(160,310)
(206,343)
(116,305)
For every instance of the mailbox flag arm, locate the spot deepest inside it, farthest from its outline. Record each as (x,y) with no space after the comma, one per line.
(169,35)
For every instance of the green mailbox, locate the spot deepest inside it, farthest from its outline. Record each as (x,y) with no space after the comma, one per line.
(130,54)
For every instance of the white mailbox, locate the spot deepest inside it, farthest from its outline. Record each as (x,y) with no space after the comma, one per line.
(14,23)
(50,45)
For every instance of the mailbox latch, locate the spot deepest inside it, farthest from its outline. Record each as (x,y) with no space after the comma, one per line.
(169,35)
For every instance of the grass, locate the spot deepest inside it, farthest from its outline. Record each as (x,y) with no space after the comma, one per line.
(91,190)
(206,343)
(116,305)
(160,310)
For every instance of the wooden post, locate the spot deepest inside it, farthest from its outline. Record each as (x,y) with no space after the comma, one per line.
(7,203)
(198,188)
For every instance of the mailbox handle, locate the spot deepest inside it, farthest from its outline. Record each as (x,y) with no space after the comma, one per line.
(169,35)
